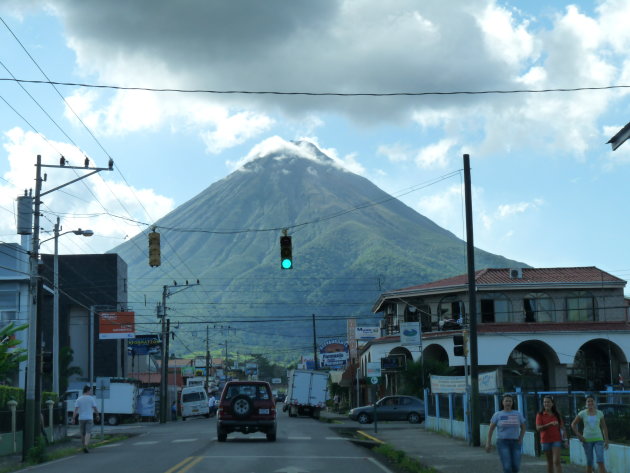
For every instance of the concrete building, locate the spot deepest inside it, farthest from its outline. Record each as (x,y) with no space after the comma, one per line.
(14,291)
(88,284)
(540,328)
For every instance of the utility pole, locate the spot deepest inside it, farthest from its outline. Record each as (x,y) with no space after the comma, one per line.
(166,329)
(472,302)
(207,357)
(33,374)
(315,344)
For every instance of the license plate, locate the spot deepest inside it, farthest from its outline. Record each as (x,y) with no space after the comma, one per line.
(263,411)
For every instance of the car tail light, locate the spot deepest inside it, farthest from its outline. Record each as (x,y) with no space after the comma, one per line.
(220,412)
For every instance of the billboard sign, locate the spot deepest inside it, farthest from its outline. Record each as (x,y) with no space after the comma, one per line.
(368,333)
(333,353)
(410,333)
(116,325)
(144,345)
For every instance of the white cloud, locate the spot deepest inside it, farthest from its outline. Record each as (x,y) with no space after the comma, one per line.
(235,130)
(435,155)
(92,198)
(395,153)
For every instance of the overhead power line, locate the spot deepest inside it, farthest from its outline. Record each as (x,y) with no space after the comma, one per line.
(316,94)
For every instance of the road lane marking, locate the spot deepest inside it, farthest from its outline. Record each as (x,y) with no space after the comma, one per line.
(300,438)
(190,464)
(111,445)
(146,442)
(335,438)
(184,440)
(179,465)
(380,465)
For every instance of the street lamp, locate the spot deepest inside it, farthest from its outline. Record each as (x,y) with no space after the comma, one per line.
(55,349)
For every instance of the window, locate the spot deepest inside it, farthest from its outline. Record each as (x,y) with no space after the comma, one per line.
(495,308)
(581,307)
(538,308)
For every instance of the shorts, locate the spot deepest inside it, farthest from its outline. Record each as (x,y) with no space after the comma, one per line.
(85,426)
(594,447)
(547,446)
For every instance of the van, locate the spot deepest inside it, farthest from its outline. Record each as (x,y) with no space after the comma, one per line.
(194,402)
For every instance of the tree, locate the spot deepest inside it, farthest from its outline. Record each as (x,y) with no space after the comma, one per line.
(412,376)
(10,356)
(66,357)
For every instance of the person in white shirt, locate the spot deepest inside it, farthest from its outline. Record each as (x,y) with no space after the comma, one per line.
(212,404)
(85,408)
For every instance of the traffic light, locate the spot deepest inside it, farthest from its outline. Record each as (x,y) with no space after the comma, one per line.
(460,344)
(47,362)
(286,252)
(155,257)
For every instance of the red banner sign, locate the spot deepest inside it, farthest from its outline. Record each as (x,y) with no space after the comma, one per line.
(113,325)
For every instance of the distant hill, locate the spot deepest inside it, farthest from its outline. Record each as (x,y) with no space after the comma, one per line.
(351,241)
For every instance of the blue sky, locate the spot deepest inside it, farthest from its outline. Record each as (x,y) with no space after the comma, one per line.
(547,189)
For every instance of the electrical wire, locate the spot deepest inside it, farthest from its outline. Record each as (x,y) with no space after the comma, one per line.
(317,94)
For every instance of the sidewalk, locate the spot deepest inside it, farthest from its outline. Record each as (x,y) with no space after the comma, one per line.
(445,454)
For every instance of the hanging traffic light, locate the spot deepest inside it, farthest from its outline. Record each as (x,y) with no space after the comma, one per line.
(458,345)
(155,257)
(47,362)
(286,252)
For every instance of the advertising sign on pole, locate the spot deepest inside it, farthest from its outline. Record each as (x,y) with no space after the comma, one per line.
(144,345)
(410,334)
(115,325)
(373,369)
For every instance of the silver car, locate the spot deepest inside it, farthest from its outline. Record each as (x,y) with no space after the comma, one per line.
(407,408)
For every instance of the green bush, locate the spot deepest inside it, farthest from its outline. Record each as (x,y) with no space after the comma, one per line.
(8,393)
(37,453)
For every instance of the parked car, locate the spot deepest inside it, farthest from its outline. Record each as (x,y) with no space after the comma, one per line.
(407,408)
(246,407)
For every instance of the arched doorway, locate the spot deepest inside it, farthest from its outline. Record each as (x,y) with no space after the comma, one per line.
(596,364)
(530,367)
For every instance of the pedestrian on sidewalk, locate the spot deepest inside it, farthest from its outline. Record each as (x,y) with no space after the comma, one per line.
(174,411)
(85,408)
(510,425)
(594,436)
(551,428)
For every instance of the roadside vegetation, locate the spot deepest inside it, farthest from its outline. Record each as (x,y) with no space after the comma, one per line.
(401,460)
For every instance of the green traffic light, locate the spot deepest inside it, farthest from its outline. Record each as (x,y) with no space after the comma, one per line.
(287,263)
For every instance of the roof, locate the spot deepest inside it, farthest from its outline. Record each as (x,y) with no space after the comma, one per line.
(491,278)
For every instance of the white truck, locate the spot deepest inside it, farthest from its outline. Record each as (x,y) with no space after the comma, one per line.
(120,400)
(307,392)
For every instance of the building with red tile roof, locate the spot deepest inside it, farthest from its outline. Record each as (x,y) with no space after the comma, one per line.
(537,328)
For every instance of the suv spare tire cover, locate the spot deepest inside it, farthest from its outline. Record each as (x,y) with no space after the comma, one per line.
(241,406)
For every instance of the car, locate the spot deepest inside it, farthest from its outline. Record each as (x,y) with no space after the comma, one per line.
(246,407)
(407,408)
(281,397)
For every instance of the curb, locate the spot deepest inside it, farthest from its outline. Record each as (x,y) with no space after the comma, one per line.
(373,439)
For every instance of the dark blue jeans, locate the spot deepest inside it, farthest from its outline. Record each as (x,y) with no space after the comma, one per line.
(509,454)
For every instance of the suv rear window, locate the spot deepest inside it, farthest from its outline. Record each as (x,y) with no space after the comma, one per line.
(258,391)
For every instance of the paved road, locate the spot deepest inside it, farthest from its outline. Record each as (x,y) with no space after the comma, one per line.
(303,445)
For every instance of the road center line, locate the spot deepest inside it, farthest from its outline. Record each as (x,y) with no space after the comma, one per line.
(184,440)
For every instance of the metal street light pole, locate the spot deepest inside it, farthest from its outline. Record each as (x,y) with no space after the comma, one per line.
(55,349)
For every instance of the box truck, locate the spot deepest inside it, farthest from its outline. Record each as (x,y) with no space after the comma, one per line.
(119,403)
(307,393)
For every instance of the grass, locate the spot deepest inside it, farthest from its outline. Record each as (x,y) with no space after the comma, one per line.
(42,454)
(402,460)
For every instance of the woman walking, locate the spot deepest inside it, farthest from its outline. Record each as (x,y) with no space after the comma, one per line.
(510,425)
(550,426)
(594,436)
